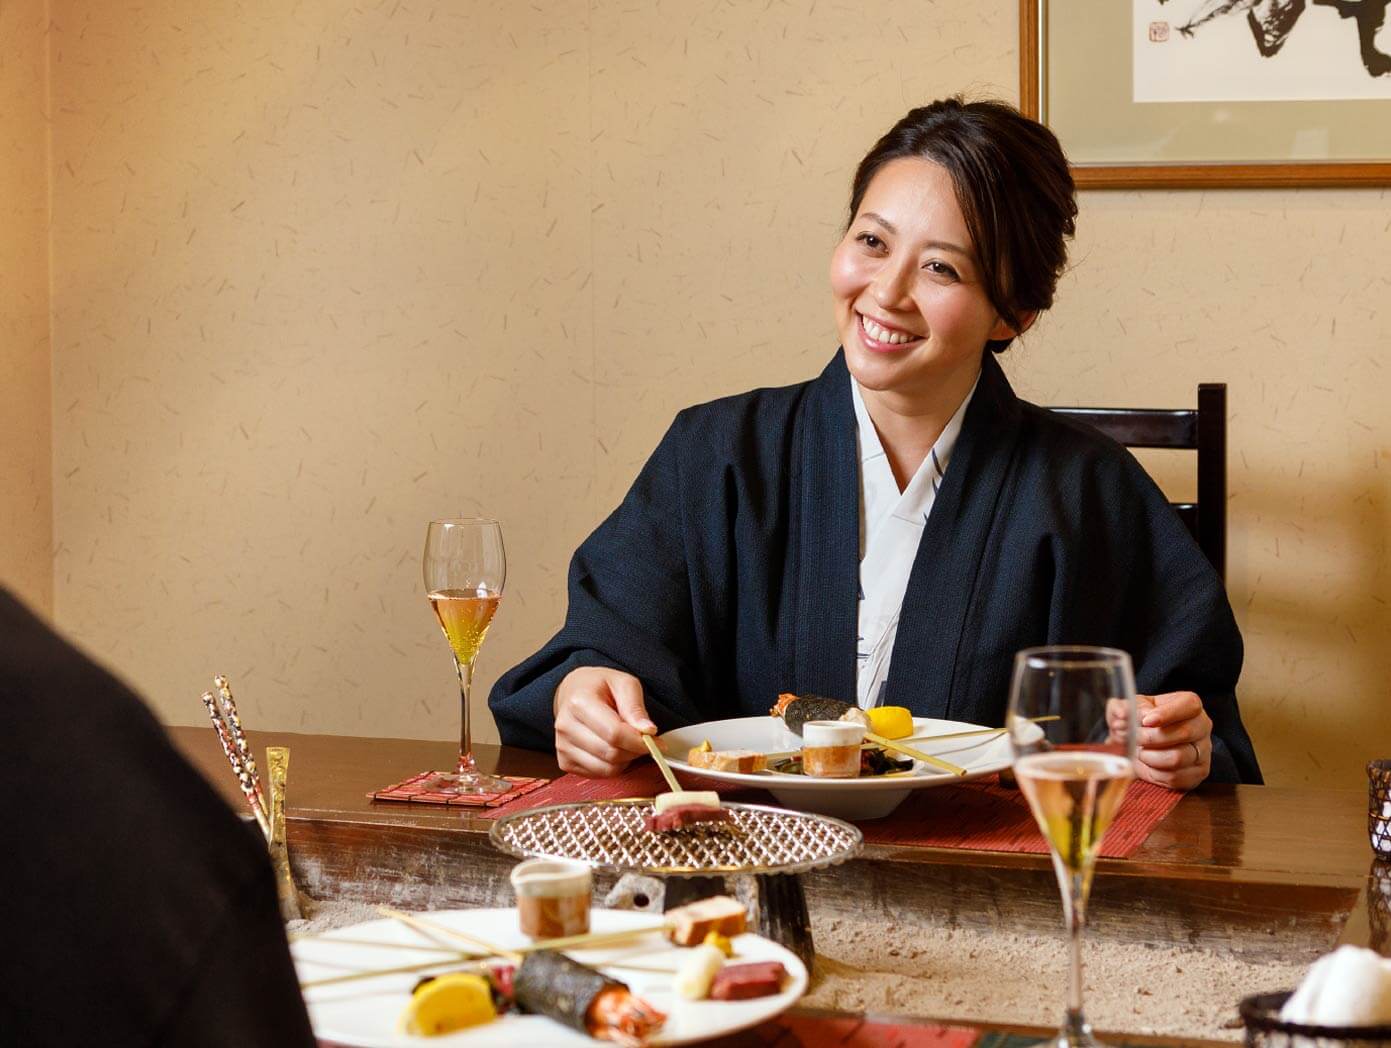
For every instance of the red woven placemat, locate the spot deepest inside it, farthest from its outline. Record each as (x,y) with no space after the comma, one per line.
(642,779)
(980,816)
(413,791)
(984,816)
(805,1031)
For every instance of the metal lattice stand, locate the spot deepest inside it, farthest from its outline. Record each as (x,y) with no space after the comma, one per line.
(770,844)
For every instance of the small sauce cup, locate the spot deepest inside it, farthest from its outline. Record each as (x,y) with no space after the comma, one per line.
(831,749)
(552,897)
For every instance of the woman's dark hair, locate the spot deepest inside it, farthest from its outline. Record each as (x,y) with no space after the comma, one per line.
(1013,188)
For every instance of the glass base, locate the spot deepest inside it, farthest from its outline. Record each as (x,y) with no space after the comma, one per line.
(1076,1032)
(466,783)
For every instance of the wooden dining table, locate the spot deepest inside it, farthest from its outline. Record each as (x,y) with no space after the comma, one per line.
(1254,871)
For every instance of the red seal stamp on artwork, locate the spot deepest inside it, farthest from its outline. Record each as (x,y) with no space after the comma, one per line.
(1159,32)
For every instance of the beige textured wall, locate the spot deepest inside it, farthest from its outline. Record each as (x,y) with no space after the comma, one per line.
(26,461)
(320,274)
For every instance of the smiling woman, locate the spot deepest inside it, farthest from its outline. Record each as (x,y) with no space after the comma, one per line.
(897,528)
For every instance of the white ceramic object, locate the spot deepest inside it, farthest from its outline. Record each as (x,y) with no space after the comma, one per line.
(870,797)
(363,1013)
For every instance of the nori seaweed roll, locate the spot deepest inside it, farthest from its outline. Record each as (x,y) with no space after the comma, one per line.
(573,994)
(796,710)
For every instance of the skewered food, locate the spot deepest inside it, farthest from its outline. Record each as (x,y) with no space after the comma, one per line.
(831,749)
(740,982)
(872,762)
(745,761)
(685,799)
(697,971)
(691,923)
(797,710)
(448,1003)
(575,995)
(892,722)
(683,817)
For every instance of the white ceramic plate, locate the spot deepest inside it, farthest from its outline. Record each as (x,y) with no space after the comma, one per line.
(871,797)
(363,1013)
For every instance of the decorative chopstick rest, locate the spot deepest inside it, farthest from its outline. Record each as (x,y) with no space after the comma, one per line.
(278,757)
(222,709)
(246,777)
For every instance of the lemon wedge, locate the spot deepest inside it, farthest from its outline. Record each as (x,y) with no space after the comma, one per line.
(892,722)
(449,1003)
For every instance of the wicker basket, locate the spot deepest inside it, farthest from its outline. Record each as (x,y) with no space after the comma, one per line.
(1378,794)
(1261,1016)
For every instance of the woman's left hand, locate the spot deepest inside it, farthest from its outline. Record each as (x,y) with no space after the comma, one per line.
(1175,739)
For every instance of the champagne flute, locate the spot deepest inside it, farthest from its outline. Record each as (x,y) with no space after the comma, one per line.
(1074,770)
(465,567)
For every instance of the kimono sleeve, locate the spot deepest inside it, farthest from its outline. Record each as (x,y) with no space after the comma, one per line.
(629,606)
(1182,631)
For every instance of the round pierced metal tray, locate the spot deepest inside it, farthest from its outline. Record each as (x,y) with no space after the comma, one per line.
(609,835)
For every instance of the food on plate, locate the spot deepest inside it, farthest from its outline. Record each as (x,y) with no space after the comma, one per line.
(575,995)
(745,761)
(697,970)
(892,722)
(684,817)
(872,762)
(797,710)
(685,799)
(448,1003)
(552,897)
(740,982)
(831,748)
(499,978)
(720,942)
(690,924)
(704,747)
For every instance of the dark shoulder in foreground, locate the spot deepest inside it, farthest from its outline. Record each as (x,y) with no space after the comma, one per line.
(145,901)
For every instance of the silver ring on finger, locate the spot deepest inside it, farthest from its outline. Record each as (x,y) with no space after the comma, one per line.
(1197,753)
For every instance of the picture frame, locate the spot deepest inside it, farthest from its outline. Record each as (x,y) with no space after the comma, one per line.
(1075,70)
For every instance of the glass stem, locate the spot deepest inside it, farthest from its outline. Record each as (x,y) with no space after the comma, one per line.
(1076,1029)
(466,765)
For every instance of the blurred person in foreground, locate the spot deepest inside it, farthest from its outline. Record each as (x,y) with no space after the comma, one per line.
(138,909)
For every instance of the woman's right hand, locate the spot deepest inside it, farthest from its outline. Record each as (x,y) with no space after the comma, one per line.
(600,719)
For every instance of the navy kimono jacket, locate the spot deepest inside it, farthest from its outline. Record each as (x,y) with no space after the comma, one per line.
(730,572)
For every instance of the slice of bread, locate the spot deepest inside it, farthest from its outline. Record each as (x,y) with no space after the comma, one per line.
(745,761)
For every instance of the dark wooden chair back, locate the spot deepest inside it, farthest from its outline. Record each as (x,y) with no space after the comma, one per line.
(1203,431)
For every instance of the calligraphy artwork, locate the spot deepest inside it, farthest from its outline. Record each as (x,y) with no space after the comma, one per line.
(1260,50)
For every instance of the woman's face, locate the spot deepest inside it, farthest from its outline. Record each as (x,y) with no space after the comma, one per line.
(912,313)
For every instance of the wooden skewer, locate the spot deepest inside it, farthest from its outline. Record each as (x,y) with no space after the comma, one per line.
(909,751)
(584,940)
(466,959)
(660,758)
(587,940)
(976,731)
(416,947)
(423,925)
(372,973)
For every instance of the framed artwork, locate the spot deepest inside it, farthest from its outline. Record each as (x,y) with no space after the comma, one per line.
(1205,93)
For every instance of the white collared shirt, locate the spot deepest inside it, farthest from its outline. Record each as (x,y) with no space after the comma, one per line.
(891,524)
